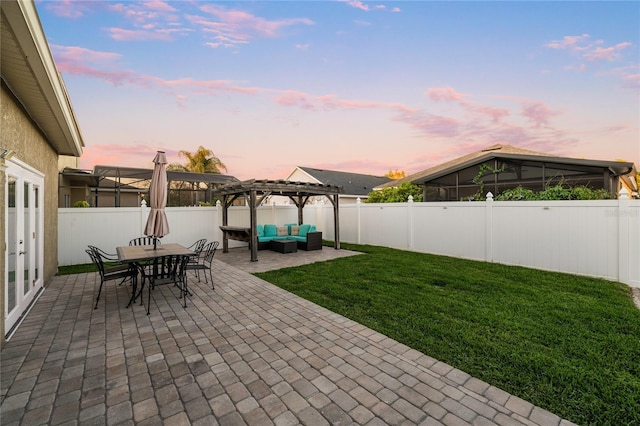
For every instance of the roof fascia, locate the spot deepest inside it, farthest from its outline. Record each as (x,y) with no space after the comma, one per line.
(28,31)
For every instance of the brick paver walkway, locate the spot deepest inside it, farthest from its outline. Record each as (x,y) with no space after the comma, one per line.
(244,353)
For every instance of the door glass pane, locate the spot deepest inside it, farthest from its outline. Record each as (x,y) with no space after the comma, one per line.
(28,241)
(36,241)
(11,240)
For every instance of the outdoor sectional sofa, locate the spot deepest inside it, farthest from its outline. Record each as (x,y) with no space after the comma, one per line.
(306,235)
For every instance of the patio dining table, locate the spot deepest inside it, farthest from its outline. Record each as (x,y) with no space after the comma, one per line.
(139,254)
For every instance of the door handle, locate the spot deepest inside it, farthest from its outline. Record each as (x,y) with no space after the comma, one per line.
(22,252)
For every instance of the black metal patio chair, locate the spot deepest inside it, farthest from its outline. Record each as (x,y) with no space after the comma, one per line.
(205,262)
(144,241)
(167,270)
(196,248)
(100,259)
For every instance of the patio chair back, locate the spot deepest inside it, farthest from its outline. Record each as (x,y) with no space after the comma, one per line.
(108,273)
(168,270)
(144,241)
(205,262)
(196,248)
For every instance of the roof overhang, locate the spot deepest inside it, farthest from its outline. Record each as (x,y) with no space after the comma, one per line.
(617,168)
(30,73)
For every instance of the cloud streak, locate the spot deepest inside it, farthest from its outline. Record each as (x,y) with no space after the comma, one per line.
(231,28)
(591,51)
(357,4)
(475,122)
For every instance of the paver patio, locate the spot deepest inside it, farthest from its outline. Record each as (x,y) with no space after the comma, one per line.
(247,352)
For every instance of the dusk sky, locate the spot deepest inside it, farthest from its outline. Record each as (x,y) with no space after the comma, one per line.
(363,87)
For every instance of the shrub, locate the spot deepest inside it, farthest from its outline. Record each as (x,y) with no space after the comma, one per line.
(397,194)
(556,192)
(517,194)
(81,203)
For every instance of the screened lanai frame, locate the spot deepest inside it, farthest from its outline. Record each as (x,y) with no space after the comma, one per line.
(184,188)
(509,171)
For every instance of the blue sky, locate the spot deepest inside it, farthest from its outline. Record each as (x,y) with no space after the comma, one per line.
(365,87)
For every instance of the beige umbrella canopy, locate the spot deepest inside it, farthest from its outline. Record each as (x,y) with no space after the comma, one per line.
(157,224)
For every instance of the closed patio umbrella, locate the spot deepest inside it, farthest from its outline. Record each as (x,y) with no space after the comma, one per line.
(157,224)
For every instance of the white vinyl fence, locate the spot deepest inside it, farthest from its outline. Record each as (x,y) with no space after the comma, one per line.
(594,238)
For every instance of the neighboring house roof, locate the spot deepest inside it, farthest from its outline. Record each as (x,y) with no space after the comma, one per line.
(29,72)
(618,168)
(354,184)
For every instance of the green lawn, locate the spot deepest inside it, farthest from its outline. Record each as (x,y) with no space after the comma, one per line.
(566,343)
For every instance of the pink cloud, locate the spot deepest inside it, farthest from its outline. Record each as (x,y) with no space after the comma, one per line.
(444,94)
(591,51)
(357,4)
(68,8)
(537,112)
(448,94)
(330,102)
(632,81)
(569,42)
(151,20)
(495,113)
(606,53)
(238,27)
(431,124)
(121,34)
(159,6)
(81,54)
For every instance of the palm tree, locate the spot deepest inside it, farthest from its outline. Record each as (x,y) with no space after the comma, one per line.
(202,161)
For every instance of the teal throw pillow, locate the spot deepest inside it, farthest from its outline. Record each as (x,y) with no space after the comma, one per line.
(304,229)
(270,230)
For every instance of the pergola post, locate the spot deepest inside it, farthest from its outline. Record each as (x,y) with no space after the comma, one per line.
(225,220)
(336,222)
(253,221)
(300,209)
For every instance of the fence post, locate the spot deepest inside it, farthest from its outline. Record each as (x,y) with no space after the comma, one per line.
(143,217)
(410,221)
(624,213)
(488,251)
(358,203)
(218,223)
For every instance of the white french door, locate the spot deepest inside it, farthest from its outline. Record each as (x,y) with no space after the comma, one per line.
(24,239)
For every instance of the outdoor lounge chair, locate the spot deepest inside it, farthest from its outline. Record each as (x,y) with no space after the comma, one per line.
(108,273)
(167,270)
(204,263)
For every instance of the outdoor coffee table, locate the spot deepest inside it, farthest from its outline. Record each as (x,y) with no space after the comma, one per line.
(284,246)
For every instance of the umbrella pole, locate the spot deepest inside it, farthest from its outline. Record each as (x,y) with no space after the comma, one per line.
(154,242)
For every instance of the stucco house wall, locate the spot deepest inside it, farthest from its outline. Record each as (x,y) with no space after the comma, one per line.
(20,135)
(38,125)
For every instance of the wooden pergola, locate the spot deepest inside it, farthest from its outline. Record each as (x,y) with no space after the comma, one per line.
(256,191)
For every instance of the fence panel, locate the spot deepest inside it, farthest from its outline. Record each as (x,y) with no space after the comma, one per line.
(567,236)
(384,225)
(450,229)
(595,238)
